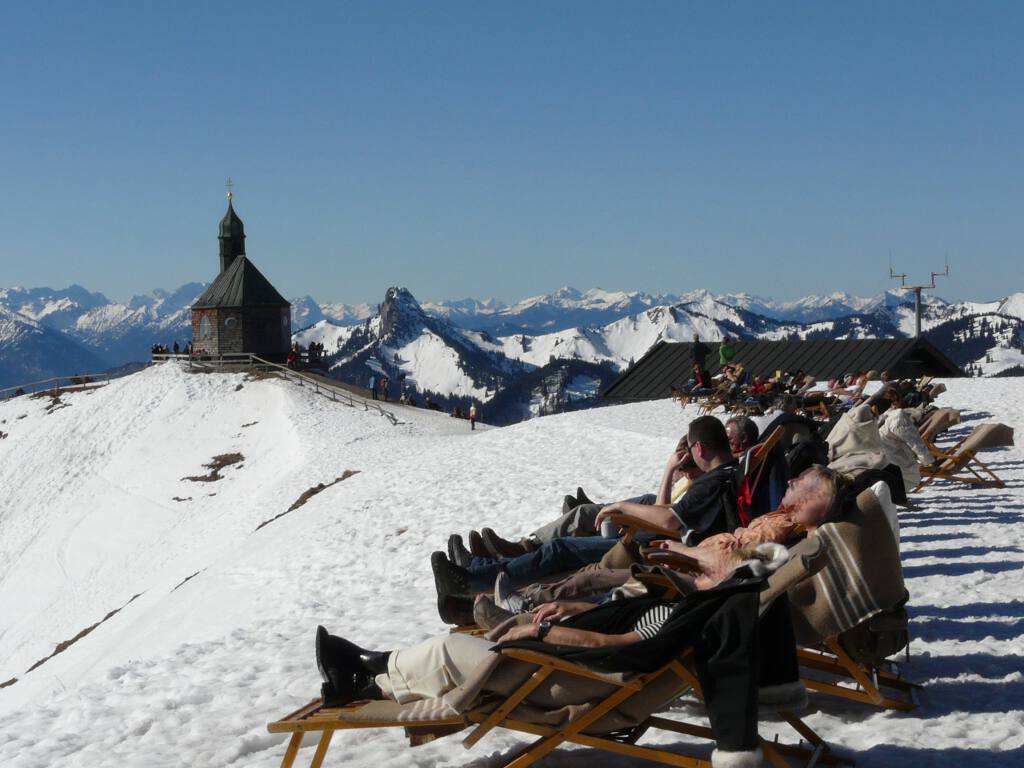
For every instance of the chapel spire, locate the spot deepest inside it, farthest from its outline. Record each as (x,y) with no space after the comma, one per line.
(232,233)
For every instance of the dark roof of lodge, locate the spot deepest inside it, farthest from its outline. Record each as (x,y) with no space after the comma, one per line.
(240,285)
(669,364)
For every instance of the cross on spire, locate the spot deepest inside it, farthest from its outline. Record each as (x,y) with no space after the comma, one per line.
(229,185)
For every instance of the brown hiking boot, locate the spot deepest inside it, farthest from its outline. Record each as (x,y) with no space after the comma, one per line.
(487,614)
(477,546)
(499,547)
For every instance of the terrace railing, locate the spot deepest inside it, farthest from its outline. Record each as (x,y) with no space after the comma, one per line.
(58,383)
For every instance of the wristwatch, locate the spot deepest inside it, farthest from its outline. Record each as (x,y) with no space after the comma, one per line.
(545,627)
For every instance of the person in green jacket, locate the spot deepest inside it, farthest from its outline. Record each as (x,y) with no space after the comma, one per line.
(726,351)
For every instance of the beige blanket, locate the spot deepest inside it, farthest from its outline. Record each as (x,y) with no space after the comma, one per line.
(854,444)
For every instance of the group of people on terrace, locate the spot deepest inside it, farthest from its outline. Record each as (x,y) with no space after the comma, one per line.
(572,583)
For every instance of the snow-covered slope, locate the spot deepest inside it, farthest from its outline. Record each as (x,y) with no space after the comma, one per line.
(219,640)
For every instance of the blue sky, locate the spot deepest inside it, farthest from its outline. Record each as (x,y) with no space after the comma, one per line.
(485,149)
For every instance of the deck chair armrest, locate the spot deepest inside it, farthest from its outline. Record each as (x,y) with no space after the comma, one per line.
(634,524)
(544,660)
(673,560)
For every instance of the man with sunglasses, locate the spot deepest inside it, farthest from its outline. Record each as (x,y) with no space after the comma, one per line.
(702,510)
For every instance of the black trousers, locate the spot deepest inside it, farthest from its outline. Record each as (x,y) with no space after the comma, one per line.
(744,653)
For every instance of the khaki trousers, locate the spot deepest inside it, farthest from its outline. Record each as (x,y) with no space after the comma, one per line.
(433,667)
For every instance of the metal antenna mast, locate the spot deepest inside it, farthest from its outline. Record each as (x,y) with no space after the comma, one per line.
(917,291)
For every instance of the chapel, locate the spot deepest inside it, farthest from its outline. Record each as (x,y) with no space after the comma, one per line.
(240,312)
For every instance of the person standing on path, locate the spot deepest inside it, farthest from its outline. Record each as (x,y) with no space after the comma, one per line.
(373,386)
(700,351)
(472,416)
(726,351)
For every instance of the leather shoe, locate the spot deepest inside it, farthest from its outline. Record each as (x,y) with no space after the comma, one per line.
(334,651)
(476,545)
(499,547)
(457,551)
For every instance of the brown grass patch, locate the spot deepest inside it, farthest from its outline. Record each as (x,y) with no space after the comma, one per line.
(64,645)
(215,466)
(308,494)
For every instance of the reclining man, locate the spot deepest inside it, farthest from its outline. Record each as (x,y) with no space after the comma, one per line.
(737,657)
(581,519)
(701,512)
(809,502)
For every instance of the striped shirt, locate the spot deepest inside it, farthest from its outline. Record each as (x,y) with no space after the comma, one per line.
(651,620)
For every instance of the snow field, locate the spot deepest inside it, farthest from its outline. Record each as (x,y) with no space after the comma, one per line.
(191,675)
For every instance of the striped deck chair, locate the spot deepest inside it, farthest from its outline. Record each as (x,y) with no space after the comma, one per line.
(961,463)
(849,616)
(842,610)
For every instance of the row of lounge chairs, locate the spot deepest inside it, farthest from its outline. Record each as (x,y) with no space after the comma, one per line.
(836,599)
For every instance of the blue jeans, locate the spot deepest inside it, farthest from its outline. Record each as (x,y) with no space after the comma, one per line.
(556,556)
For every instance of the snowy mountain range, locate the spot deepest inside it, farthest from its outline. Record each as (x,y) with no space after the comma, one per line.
(431,349)
(540,350)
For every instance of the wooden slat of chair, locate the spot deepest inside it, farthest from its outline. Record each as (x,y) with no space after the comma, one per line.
(964,461)
(313,717)
(508,705)
(872,682)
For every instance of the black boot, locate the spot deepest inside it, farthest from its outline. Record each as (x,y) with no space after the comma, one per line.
(334,651)
(457,551)
(581,497)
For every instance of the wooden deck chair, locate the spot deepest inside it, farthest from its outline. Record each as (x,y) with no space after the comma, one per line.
(675,678)
(829,667)
(881,685)
(719,396)
(934,424)
(681,396)
(315,718)
(815,405)
(961,463)
(860,591)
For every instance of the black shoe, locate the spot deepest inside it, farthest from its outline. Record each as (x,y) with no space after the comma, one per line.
(476,545)
(569,503)
(334,651)
(456,609)
(347,686)
(499,547)
(457,551)
(581,497)
(449,580)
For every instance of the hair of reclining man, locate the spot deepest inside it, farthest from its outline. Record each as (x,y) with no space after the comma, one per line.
(743,435)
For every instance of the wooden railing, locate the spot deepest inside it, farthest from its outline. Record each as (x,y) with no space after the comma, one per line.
(245,360)
(336,393)
(56,383)
(232,362)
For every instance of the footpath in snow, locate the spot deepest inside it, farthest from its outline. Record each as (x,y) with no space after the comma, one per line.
(213,634)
